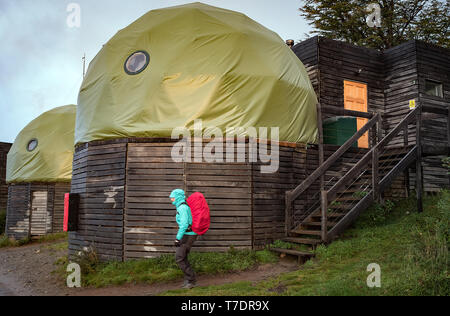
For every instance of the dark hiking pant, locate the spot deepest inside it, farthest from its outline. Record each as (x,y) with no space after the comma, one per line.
(182,257)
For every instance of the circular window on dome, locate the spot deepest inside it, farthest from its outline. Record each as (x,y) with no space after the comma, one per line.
(137,62)
(32,144)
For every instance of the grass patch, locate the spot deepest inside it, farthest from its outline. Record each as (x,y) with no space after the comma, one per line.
(8,242)
(411,249)
(165,269)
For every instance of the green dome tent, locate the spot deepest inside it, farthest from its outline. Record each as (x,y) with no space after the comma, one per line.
(39,171)
(195,62)
(43,150)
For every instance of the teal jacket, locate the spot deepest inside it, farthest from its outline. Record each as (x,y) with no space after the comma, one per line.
(184,216)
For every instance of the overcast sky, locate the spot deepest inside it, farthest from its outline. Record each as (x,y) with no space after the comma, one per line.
(41,57)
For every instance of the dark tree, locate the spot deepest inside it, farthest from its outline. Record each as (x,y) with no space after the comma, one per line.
(402,20)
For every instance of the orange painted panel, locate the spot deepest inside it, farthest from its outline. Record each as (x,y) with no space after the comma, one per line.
(355,99)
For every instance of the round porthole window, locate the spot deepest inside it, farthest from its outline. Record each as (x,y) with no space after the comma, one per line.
(32,144)
(137,62)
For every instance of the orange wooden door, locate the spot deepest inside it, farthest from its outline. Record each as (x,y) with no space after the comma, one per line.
(355,99)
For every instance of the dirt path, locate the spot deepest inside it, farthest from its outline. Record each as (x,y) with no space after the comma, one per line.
(254,276)
(27,271)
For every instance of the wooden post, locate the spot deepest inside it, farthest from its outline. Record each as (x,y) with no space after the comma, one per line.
(380,128)
(419,171)
(406,145)
(324,207)
(324,193)
(448,136)
(375,175)
(321,145)
(288,214)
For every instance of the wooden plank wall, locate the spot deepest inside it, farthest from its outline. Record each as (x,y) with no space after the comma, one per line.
(433,63)
(269,192)
(41,210)
(149,216)
(228,190)
(99,178)
(401,86)
(306,161)
(340,61)
(18,211)
(4,149)
(60,189)
(150,226)
(307,51)
(394,77)
(242,199)
(46,209)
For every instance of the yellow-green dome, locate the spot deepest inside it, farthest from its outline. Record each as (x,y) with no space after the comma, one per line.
(43,150)
(176,65)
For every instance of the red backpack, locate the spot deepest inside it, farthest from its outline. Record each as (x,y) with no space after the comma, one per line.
(201,218)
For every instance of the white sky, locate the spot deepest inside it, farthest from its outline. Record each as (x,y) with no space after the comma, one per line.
(40,64)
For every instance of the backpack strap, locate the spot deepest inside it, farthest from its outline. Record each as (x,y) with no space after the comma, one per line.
(189,230)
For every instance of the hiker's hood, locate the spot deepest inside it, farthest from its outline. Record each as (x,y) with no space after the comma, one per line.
(179,196)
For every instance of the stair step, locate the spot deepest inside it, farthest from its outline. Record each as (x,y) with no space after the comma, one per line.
(308,232)
(349,198)
(293,252)
(302,241)
(341,207)
(319,224)
(332,215)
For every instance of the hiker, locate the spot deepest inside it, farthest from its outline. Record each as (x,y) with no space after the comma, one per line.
(185,237)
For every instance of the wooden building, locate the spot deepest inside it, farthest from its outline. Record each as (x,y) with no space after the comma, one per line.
(4,149)
(319,189)
(387,81)
(39,170)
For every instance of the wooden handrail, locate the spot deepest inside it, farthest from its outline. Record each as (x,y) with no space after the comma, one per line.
(405,122)
(362,164)
(293,195)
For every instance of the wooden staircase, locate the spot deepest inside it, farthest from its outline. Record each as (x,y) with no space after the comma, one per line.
(346,193)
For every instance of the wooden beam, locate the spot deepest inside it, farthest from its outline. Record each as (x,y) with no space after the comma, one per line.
(321,145)
(344,112)
(288,216)
(419,170)
(375,174)
(324,208)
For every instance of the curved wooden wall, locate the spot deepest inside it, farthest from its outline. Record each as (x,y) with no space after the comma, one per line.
(125,211)
(48,207)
